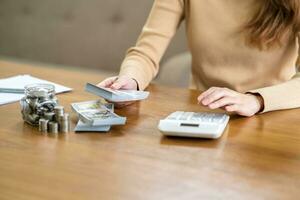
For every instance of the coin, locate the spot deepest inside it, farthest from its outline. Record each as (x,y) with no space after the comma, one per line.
(53,127)
(49,116)
(64,123)
(43,125)
(39,99)
(59,110)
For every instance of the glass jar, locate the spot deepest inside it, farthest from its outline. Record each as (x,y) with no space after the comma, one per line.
(39,101)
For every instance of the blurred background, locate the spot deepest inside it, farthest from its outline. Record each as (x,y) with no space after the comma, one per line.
(83,33)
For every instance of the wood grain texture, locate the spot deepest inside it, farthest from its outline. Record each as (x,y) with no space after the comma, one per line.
(256,158)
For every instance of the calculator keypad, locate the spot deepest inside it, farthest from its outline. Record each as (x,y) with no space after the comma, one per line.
(198,117)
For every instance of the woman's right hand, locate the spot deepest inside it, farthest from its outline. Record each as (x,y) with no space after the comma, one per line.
(120,83)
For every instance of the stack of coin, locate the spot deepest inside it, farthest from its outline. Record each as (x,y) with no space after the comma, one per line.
(59,121)
(53,127)
(59,111)
(52,121)
(43,125)
(64,123)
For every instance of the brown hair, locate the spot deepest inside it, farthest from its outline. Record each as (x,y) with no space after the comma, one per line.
(274,21)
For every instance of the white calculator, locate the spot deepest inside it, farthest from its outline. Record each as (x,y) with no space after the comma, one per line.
(192,124)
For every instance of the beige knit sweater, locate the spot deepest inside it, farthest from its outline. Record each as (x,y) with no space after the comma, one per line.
(220,56)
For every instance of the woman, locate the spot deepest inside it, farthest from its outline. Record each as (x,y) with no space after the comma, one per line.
(244,53)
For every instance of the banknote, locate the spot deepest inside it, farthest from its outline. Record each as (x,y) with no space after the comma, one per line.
(101,118)
(82,127)
(97,113)
(92,105)
(116,95)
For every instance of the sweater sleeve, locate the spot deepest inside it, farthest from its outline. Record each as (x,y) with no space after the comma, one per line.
(142,61)
(282,96)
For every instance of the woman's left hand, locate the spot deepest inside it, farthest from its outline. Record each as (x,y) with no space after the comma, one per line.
(231,101)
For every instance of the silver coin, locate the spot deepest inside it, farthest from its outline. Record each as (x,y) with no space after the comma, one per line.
(53,127)
(43,125)
(64,123)
(39,99)
(40,93)
(32,119)
(49,115)
(59,111)
(33,102)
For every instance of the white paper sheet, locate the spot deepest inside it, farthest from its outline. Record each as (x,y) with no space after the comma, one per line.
(18,82)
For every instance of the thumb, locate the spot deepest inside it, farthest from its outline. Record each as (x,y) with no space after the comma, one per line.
(107,82)
(118,84)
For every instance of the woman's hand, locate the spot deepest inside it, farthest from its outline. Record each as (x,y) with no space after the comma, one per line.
(120,83)
(231,101)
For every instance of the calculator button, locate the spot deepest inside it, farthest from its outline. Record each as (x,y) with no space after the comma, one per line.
(184,116)
(175,115)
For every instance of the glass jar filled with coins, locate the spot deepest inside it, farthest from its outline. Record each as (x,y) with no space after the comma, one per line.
(39,102)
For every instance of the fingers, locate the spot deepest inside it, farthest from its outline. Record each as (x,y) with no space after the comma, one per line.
(231,101)
(107,82)
(231,108)
(206,93)
(123,83)
(225,101)
(123,104)
(119,83)
(223,98)
(215,95)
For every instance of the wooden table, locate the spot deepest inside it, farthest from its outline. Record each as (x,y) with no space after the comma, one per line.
(256,158)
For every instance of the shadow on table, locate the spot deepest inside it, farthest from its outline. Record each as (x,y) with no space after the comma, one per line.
(195,142)
(237,126)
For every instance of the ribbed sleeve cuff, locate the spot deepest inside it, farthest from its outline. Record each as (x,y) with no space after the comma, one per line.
(281,96)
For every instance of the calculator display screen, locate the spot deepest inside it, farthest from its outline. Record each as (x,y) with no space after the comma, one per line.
(189,125)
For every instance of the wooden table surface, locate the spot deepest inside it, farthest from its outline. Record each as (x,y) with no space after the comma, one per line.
(256,158)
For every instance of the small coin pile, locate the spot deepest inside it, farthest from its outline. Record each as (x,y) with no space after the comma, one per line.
(55,122)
